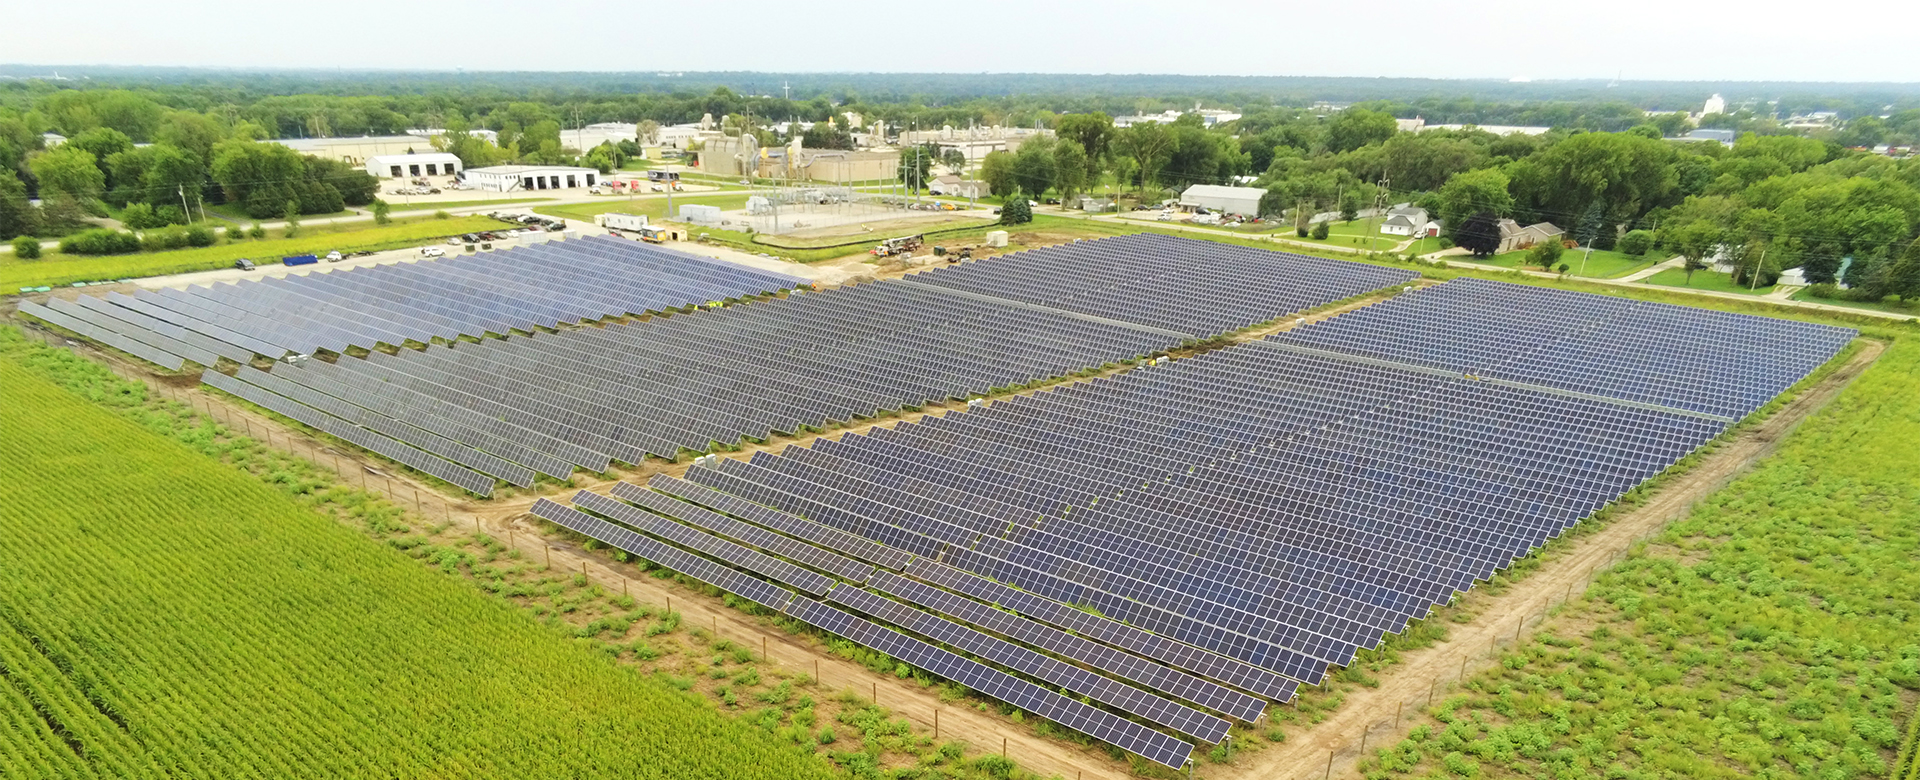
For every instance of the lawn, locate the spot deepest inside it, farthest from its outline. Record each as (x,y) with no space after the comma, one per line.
(1774,632)
(399,206)
(653,206)
(163,614)
(1604,264)
(235,213)
(1704,280)
(1910,308)
(57,268)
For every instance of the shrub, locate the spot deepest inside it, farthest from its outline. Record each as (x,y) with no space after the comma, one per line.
(1636,243)
(140,216)
(256,231)
(100,242)
(442,215)
(26,248)
(162,239)
(1016,212)
(1823,291)
(1320,231)
(200,235)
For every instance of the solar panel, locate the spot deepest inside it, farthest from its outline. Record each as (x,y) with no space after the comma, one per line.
(1099,724)
(758,591)
(774,543)
(806,581)
(1069,677)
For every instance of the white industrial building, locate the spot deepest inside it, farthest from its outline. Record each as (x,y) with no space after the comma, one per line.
(512,178)
(401,166)
(1244,201)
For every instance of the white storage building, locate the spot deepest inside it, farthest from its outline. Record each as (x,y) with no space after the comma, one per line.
(511,178)
(405,166)
(1244,201)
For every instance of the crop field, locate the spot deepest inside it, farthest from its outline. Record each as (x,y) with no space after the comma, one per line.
(164,615)
(59,269)
(1772,633)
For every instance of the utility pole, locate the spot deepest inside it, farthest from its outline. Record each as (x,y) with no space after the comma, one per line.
(1754,283)
(1379,209)
(185,210)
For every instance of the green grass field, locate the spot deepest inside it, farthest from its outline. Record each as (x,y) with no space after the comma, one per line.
(1772,633)
(1910,308)
(233,212)
(400,205)
(57,268)
(1604,264)
(163,615)
(653,206)
(1703,280)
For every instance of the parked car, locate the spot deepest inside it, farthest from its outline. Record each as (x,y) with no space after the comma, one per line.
(243,264)
(432,251)
(334,256)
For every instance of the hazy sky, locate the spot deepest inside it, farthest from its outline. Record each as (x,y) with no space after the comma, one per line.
(1636,39)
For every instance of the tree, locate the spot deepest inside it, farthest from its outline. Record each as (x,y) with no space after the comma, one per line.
(260,176)
(1350,204)
(1016,212)
(1903,276)
(1149,144)
(996,169)
(1592,223)
(1546,253)
(916,164)
(1091,131)
(1069,168)
(1479,234)
(17,216)
(291,214)
(26,248)
(1034,167)
(1694,242)
(191,132)
(1636,242)
(1474,192)
(826,135)
(954,160)
(1358,127)
(381,210)
(647,132)
(1320,230)
(69,171)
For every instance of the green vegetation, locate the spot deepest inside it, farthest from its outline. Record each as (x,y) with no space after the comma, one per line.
(1604,264)
(1894,305)
(1772,633)
(1704,280)
(654,206)
(156,603)
(235,213)
(59,268)
(402,206)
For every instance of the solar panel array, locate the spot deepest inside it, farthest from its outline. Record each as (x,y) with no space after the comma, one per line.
(1199,288)
(1704,361)
(517,289)
(1279,508)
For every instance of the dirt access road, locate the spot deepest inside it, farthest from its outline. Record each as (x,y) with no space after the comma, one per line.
(1470,647)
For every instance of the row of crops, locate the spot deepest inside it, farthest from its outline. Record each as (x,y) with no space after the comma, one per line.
(162,614)
(1773,633)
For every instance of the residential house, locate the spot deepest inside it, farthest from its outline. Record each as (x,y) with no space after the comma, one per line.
(1405,221)
(1513,236)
